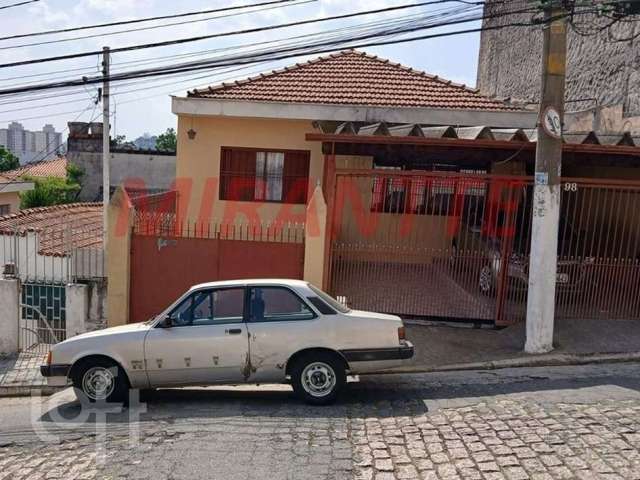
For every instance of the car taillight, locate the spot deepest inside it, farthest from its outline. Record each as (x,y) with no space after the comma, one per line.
(401,334)
(48,359)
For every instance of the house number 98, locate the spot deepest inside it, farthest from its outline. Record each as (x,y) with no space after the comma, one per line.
(570,187)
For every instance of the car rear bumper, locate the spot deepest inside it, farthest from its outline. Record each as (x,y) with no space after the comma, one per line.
(403,352)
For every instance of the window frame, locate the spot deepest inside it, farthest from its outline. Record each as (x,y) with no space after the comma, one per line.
(247,305)
(209,290)
(285,152)
(339,307)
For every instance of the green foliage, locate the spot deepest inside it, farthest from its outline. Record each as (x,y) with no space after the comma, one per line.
(74,174)
(167,141)
(8,161)
(120,140)
(52,190)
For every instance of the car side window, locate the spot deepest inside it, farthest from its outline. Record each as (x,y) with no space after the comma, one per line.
(277,304)
(210,307)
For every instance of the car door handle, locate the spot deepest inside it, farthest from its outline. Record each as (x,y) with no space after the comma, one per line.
(233,331)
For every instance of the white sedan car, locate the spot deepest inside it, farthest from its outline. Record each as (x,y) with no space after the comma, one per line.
(234,332)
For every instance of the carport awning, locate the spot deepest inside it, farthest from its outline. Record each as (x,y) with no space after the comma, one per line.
(480,137)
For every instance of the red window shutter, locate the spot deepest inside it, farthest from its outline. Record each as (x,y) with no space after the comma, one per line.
(237,174)
(295,181)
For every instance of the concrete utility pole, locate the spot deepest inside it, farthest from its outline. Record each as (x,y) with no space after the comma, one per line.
(106,150)
(546,197)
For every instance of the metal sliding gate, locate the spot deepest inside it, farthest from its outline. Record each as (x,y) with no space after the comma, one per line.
(456,246)
(42,318)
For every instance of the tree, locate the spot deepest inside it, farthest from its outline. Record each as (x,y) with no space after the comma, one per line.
(8,161)
(53,190)
(167,141)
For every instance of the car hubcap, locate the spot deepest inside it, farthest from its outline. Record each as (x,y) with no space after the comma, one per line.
(318,379)
(485,279)
(98,383)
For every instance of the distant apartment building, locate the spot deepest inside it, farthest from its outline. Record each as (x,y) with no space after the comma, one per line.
(31,146)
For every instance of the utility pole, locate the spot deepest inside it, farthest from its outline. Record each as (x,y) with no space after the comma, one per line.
(106,150)
(546,196)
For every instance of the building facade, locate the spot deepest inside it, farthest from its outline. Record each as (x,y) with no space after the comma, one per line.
(145,170)
(363,175)
(603,72)
(32,146)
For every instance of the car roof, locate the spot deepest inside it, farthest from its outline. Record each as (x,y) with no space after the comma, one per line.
(262,281)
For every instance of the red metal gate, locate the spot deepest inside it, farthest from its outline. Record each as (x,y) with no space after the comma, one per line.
(456,246)
(167,259)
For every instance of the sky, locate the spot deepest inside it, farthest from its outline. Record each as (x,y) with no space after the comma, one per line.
(145,106)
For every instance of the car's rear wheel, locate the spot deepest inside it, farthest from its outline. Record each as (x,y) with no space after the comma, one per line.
(318,378)
(100,380)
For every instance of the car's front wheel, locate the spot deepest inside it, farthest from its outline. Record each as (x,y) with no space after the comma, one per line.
(100,380)
(318,378)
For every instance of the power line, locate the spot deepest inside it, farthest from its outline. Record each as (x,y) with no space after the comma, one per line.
(20,77)
(290,3)
(126,92)
(431,16)
(169,83)
(227,34)
(280,54)
(18,4)
(141,20)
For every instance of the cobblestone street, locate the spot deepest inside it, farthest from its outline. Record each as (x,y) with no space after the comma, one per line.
(536,423)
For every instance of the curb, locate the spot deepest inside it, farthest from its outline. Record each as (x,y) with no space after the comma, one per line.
(28,391)
(549,360)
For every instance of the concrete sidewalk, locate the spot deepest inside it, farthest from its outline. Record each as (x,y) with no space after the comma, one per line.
(20,375)
(441,347)
(438,348)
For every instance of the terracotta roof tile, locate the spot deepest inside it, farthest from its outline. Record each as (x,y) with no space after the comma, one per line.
(60,227)
(353,78)
(48,168)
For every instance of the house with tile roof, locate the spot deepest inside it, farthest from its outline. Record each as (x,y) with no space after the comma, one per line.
(416,187)
(274,112)
(54,243)
(56,167)
(57,254)
(10,189)
(14,182)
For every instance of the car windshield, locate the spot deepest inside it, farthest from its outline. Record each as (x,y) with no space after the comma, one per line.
(335,304)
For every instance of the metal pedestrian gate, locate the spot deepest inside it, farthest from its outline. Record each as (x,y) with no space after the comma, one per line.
(42,318)
(456,246)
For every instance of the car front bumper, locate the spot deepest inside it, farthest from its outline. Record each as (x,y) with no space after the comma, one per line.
(56,375)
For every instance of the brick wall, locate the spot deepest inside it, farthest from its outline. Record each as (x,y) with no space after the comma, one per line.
(598,68)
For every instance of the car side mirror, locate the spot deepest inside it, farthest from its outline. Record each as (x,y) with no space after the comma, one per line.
(166,322)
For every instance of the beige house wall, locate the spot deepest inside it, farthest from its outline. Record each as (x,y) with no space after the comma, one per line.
(198,165)
(315,239)
(118,258)
(12,199)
